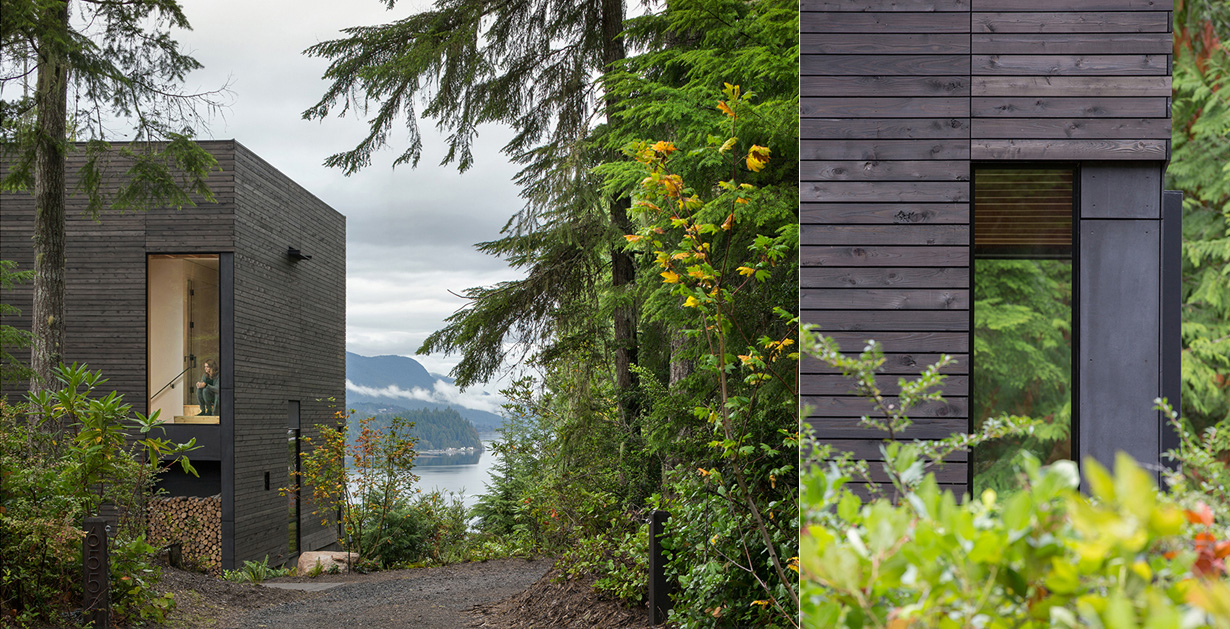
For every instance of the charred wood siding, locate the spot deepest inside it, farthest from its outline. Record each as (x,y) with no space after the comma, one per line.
(105,282)
(899,97)
(288,343)
(288,321)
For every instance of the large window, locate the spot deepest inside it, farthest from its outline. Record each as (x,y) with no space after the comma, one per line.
(183,338)
(1023,305)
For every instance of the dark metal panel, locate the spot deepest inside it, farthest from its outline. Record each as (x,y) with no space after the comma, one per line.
(1119,318)
(1121,190)
(1172,311)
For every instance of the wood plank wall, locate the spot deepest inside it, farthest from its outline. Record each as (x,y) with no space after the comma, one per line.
(899,98)
(105,281)
(289,345)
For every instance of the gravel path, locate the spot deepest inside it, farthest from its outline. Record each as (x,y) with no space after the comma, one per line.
(424,599)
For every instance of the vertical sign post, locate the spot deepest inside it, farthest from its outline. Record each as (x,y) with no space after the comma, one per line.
(659,587)
(97,567)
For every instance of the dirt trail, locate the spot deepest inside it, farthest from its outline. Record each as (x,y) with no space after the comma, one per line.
(427,598)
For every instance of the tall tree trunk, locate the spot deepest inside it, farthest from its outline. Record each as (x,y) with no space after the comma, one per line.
(51,97)
(623,269)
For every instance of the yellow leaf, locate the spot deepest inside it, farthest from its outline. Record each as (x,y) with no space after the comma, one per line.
(665,148)
(760,603)
(691,302)
(745,270)
(702,471)
(757,157)
(633,238)
(724,108)
(670,277)
(730,221)
(728,144)
(741,201)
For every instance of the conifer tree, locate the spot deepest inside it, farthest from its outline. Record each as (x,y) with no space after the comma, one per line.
(1200,167)
(530,65)
(124,70)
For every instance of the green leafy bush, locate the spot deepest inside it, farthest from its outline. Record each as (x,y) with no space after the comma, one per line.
(63,455)
(1046,556)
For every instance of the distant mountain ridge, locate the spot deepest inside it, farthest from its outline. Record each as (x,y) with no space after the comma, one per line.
(388,384)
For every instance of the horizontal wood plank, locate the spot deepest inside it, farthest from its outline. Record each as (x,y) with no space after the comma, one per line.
(891,320)
(890,86)
(883,128)
(1072,149)
(1073,22)
(824,427)
(1070,65)
(884,235)
(899,277)
(940,149)
(889,299)
(882,44)
(1067,5)
(1078,128)
(869,449)
(904,107)
(1072,43)
(1065,107)
(899,364)
(883,65)
(883,22)
(884,5)
(931,170)
(883,213)
(880,191)
(883,256)
(1088,86)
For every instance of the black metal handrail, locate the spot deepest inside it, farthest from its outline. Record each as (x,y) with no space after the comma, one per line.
(170,383)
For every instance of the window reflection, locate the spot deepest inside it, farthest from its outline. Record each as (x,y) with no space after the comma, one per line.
(1022,354)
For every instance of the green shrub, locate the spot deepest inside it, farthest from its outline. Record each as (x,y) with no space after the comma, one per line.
(64,454)
(255,572)
(1046,557)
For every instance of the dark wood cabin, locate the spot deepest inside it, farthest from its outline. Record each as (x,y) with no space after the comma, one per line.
(255,282)
(944,141)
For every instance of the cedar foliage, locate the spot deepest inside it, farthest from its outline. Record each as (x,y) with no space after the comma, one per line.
(1200,167)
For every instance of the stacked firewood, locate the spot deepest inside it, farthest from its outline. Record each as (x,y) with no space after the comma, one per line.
(195,523)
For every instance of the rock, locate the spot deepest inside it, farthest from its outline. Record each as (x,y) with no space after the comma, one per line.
(327,559)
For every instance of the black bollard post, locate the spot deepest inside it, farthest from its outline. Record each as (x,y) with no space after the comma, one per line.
(97,567)
(659,587)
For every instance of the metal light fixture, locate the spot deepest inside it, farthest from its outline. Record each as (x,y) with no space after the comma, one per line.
(296,255)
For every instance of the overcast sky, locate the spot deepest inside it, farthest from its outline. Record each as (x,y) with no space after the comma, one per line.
(410,233)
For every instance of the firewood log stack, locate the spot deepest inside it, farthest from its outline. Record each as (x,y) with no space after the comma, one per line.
(196,523)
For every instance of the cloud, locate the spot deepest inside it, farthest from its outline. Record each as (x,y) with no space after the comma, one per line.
(442,393)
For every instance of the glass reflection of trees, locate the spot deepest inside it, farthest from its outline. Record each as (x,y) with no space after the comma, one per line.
(1023,303)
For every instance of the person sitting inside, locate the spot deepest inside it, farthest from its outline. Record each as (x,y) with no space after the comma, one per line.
(207,389)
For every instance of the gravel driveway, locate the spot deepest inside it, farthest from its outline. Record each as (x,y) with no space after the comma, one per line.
(424,599)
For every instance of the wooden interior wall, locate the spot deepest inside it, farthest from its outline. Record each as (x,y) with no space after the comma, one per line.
(289,345)
(899,97)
